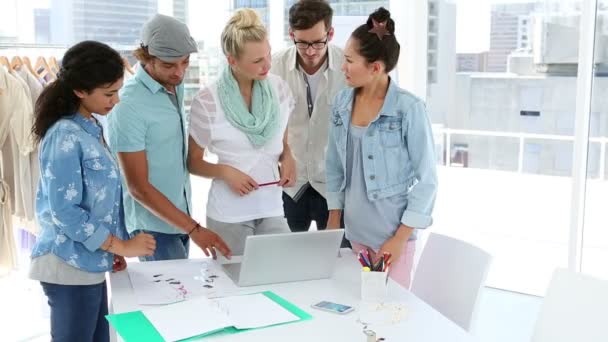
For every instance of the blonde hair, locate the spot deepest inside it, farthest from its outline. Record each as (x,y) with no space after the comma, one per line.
(142,55)
(244,26)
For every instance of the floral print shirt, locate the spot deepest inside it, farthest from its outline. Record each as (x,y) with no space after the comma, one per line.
(79,199)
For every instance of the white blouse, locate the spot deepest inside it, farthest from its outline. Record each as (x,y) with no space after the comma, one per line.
(211,130)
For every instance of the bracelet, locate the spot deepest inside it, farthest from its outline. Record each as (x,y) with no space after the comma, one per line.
(194,228)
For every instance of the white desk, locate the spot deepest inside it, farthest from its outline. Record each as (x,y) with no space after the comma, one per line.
(421,323)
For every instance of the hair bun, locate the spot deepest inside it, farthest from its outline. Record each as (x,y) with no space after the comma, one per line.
(246,18)
(381,15)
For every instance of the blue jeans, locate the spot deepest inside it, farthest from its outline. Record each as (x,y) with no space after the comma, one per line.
(78,312)
(168,246)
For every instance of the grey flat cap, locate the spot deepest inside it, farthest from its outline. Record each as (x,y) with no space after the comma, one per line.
(167,38)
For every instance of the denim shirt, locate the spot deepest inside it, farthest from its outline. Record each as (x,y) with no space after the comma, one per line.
(78,202)
(398,153)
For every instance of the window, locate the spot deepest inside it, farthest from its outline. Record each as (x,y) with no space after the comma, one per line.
(507,148)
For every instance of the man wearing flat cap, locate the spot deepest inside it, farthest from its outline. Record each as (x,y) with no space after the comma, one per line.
(148,132)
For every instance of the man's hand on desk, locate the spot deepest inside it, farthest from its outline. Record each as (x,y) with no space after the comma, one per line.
(209,241)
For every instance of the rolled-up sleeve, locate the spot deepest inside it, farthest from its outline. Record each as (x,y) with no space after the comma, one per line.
(61,166)
(421,149)
(334,169)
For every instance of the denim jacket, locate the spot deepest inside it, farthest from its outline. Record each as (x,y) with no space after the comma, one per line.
(79,199)
(398,153)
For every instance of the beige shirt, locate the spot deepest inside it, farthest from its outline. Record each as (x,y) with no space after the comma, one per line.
(308,134)
(8,250)
(15,105)
(22,117)
(25,156)
(34,86)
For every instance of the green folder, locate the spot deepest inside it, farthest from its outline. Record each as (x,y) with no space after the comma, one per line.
(134,326)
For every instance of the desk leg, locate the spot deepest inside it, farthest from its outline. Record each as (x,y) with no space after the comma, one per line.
(113,335)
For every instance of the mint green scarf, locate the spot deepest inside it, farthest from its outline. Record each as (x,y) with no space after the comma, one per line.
(262,123)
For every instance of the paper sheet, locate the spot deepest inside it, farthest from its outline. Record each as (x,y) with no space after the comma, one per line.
(155,283)
(201,315)
(254,311)
(135,326)
(186,319)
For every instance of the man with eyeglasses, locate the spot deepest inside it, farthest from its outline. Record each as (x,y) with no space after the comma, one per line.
(311,67)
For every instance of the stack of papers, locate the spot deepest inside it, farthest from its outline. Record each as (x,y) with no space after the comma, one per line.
(202,316)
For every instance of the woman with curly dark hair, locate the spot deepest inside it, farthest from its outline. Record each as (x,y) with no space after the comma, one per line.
(78,203)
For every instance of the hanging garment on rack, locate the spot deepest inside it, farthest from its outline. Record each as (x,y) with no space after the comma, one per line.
(33,83)
(15,108)
(22,124)
(30,185)
(10,173)
(8,251)
(25,160)
(15,124)
(9,90)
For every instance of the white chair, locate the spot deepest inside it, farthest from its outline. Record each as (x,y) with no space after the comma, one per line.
(574,309)
(449,277)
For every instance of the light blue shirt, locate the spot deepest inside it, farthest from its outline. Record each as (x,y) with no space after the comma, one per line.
(398,154)
(147,120)
(78,202)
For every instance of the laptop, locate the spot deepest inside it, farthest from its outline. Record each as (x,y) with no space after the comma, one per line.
(281,258)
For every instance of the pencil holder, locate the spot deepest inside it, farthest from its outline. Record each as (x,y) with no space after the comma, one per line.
(373,286)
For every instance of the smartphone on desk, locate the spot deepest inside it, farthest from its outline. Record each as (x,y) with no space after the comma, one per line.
(333,307)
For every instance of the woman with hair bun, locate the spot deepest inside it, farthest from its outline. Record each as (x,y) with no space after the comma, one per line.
(242,118)
(380,158)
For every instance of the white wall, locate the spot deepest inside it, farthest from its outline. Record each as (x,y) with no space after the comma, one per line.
(411,31)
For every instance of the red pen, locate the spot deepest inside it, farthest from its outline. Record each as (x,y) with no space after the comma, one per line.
(270,183)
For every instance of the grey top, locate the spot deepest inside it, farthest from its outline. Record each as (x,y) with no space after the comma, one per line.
(49,268)
(369,223)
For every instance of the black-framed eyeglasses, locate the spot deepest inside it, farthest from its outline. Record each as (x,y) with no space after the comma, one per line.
(318,45)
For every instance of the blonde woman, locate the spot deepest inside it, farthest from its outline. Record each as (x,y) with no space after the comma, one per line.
(242,118)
